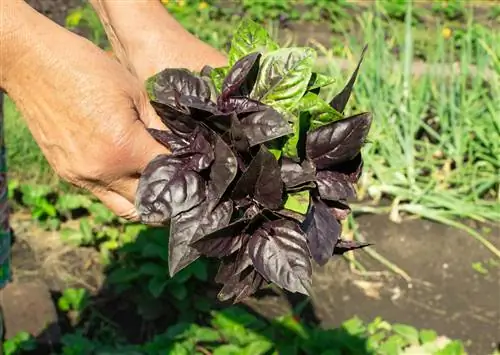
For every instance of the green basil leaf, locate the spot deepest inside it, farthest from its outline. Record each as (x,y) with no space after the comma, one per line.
(319,81)
(250,37)
(217,75)
(320,111)
(284,76)
(298,202)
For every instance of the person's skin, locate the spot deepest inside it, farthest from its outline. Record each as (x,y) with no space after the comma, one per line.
(147,39)
(88,113)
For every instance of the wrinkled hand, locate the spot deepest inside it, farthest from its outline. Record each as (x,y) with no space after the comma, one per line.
(87,113)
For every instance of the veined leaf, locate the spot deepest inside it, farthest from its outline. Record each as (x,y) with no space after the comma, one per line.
(319,81)
(298,202)
(321,112)
(284,76)
(250,37)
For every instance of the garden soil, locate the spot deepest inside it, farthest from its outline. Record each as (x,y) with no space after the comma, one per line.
(445,293)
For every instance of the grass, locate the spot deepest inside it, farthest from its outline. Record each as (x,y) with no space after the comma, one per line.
(24,158)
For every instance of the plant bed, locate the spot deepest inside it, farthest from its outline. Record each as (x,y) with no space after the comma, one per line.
(447,295)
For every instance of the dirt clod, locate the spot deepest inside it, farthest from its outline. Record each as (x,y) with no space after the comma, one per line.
(28,307)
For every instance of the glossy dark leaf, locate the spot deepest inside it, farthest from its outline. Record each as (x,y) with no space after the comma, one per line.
(333,185)
(233,265)
(338,141)
(339,102)
(241,77)
(234,228)
(264,126)
(344,246)
(167,187)
(291,215)
(216,216)
(169,81)
(279,252)
(198,108)
(170,140)
(224,167)
(261,181)
(242,286)
(218,247)
(294,174)
(189,226)
(178,121)
(323,232)
(242,105)
(182,229)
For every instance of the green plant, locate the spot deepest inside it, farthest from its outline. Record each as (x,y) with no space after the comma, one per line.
(265,10)
(18,344)
(143,265)
(450,9)
(75,300)
(86,19)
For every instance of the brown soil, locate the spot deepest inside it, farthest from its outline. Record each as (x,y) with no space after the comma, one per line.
(445,293)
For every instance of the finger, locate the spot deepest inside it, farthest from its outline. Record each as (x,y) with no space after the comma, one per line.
(148,114)
(118,204)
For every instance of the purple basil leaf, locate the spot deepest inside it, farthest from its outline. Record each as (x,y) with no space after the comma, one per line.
(306,186)
(264,126)
(206,70)
(241,77)
(178,121)
(214,218)
(291,215)
(182,229)
(187,227)
(169,139)
(261,181)
(339,102)
(333,185)
(171,81)
(323,232)
(344,246)
(220,246)
(279,252)
(242,105)
(167,187)
(240,288)
(294,174)
(232,265)
(224,167)
(198,108)
(337,142)
(230,230)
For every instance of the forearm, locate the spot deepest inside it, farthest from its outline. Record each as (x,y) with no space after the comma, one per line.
(14,37)
(147,38)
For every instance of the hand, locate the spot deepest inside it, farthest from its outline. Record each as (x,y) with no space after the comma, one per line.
(147,39)
(86,111)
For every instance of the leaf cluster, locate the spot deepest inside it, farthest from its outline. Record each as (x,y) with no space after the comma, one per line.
(261,168)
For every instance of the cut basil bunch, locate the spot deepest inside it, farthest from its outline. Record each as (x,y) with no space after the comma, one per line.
(262,168)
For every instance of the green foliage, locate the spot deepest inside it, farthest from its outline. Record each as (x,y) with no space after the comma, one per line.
(74,300)
(84,17)
(450,9)
(264,10)
(143,265)
(236,331)
(18,344)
